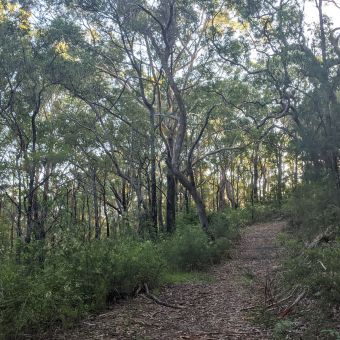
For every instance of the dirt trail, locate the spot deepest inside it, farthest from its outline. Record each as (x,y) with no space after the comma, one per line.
(213,310)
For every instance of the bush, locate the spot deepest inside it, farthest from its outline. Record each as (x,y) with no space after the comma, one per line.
(185,219)
(311,208)
(74,281)
(265,212)
(190,248)
(317,269)
(79,277)
(187,249)
(225,225)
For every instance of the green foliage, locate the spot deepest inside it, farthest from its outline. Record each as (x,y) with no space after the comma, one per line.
(311,208)
(317,268)
(281,329)
(227,223)
(265,212)
(74,280)
(188,249)
(79,277)
(331,334)
(188,218)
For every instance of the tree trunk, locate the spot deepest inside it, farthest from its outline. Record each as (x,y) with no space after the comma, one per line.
(191,187)
(95,203)
(222,204)
(231,194)
(255,173)
(153,173)
(170,202)
(105,210)
(279,176)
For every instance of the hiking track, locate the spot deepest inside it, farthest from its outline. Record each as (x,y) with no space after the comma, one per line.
(212,310)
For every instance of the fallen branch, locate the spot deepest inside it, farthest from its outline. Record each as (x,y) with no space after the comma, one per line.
(158,301)
(272,305)
(290,307)
(277,303)
(326,236)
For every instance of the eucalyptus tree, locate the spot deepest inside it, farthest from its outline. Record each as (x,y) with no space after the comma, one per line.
(24,93)
(162,46)
(301,66)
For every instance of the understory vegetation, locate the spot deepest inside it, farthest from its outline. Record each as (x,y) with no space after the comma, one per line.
(83,277)
(310,271)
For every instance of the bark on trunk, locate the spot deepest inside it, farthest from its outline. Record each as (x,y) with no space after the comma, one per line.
(170,202)
(95,204)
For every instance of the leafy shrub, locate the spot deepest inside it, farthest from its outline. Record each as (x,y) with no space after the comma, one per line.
(317,268)
(265,212)
(191,249)
(78,277)
(187,249)
(185,219)
(311,208)
(282,328)
(75,280)
(225,225)
(30,301)
(219,249)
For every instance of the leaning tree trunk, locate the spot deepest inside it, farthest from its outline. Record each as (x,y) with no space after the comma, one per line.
(191,187)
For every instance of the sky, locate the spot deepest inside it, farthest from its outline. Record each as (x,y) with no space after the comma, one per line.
(329,9)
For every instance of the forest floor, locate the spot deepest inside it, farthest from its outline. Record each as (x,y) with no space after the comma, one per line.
(212,310)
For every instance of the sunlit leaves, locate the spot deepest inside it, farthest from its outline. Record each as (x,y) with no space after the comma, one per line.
(14,13)
(224,20)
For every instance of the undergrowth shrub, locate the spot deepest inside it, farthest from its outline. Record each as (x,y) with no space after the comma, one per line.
(75,280)
(190,248)
(311,208)
(77,277)
(317,269)
(226,224)
(265,212)
(187,249)
(314,215)
(185,219)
